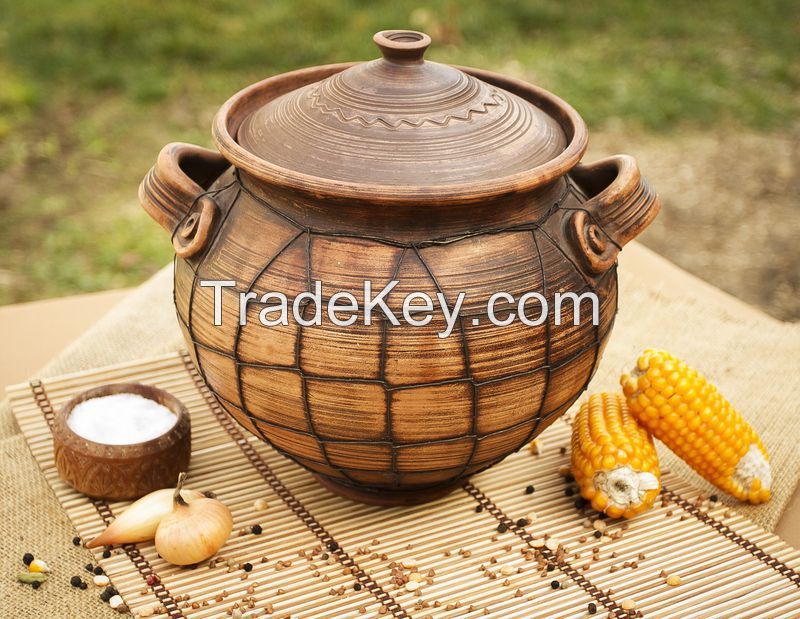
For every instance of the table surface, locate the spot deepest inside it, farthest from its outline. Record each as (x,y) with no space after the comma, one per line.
(33,333)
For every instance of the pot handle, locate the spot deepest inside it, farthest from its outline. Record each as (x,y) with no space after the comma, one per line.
(620,205)
(173,193)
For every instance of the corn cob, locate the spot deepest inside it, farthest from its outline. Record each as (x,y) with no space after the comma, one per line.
(682,409)
(614,460)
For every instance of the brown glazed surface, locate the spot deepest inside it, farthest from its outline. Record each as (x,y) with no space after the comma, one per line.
(120,472)
(446,179)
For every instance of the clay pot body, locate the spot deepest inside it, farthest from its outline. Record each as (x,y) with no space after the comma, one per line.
(446,180)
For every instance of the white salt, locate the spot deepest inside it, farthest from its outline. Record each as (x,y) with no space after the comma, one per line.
(120,419)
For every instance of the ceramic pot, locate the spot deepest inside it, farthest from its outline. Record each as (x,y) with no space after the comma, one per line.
(445,179)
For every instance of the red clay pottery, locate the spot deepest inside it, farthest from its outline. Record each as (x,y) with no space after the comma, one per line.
(447,179)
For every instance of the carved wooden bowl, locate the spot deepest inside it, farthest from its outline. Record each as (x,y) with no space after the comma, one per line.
(445,179)
(121,472)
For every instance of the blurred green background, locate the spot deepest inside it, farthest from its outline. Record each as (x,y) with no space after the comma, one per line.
(91,90)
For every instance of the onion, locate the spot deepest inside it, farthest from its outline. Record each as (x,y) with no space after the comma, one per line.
(139,522)
(194,531)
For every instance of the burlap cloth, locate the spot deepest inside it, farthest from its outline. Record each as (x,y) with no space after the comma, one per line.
(750,356)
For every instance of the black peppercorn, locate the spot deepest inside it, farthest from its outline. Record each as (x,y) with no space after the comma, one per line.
(247,567)
(98,570)
(357,586)
(75,581)
(76,541)
(89,568)
(105,596)
(106,554)
(555,584)
(84,586)
(592,608)
(36,584)
(598,534)
(502,527)
(522,522)
(551,567)
(256,529)
(529,489)
(27,558)
(580,503)
(479,509)
(713,498)
(333,546)
(111,590)
(569,491)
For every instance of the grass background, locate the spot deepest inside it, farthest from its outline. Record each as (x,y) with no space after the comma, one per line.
(91,90)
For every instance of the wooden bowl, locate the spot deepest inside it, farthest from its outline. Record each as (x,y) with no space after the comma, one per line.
(119,472)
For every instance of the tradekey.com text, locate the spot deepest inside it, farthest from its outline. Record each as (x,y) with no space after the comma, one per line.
(418,308)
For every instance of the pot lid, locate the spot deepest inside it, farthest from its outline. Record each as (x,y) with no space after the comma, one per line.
(403,121)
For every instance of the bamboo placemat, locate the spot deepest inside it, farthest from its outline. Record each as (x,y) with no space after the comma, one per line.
(323,556)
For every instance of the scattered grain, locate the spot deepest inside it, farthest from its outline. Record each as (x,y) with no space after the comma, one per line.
(600,525)
(100,580)
(115,601)
(673,580)
(552,544)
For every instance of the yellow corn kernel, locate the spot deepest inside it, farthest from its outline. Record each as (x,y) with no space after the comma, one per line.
(614,460)
(37,565)
(682,409)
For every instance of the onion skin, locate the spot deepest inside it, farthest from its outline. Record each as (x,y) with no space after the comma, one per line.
(194,531)
(138,523)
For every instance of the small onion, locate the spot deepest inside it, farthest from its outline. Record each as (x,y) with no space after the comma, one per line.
(139,522)
(194,531)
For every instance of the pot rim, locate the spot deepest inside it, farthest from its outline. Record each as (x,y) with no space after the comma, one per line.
(237,108)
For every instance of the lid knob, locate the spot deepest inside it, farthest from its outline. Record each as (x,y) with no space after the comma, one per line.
(402,46)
